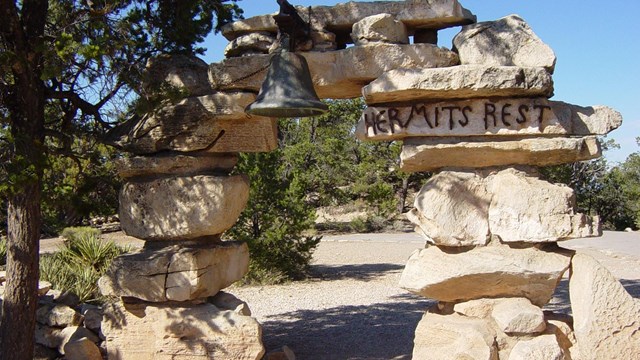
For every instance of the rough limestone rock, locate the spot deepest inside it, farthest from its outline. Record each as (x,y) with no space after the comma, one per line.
(496,118)
(81,349)
(606,317)
(176,164)
(467,208)
(180,331)
(58,315)
(187,73)
(182,208)
(454,337)
(492,271)
(250,44)
(73,334)
(429,154)
(543,347)
(508,41)
(517,316)
(452,209)
(513,316)
(176,273)
(48,336)
(561,326)
(213,123)
(225,301)
(430,14)
(465,81)
(526,208)
(336,74)
(379,28)
(323,40)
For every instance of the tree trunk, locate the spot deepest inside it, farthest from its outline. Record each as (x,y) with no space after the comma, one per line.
(22,30)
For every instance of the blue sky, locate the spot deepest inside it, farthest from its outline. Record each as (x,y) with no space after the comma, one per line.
(597,44)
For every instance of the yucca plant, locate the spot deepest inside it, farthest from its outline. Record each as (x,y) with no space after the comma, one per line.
(80,263)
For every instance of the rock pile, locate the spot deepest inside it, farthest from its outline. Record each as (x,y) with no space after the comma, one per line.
(492,226)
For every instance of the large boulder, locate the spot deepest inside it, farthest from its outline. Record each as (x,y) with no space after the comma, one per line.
(465,81)
(452,209)
(467,208)
(379,28)
(213,123)
(491,271)
(182,208)
(429,154)
(606,317)
(454,337)
(526,208)
(176,273)
(335,74)
(508,41)
(180,331)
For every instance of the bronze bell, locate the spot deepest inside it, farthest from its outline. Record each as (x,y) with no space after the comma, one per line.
(287,91)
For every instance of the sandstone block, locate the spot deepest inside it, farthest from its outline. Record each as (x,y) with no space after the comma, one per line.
(379,28)
(513,316)
(336,74)
(517,316)
(250,44)
(452,209)
(508,41)
(526,208)
(496,118)
(81,349)
(226,301)
(58,315)
(186,331)
(187,73)
(179,164)
(606,317)
(465,81)
(429,154)
(213,123)
(493,271)
(182,208)
(432,14)
(467,208)
(543,347)
(73,334)
(176,273)
(454,337)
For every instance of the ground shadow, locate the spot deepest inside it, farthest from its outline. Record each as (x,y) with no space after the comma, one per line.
(561,302)
(362,272)
(349,332)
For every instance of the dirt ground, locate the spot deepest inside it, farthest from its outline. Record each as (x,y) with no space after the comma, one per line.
(352,307)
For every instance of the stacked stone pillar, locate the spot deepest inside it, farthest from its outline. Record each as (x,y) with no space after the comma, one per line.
(179,197)
(492,225)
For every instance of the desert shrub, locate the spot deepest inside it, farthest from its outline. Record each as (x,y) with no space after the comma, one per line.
(3,250)
(75,233)
(80,263)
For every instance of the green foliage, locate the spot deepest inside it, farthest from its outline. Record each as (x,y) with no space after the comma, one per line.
(613,193)
(3,250)
(80,263)
(274,220)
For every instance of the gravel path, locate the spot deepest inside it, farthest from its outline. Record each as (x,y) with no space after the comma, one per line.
(352,307)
